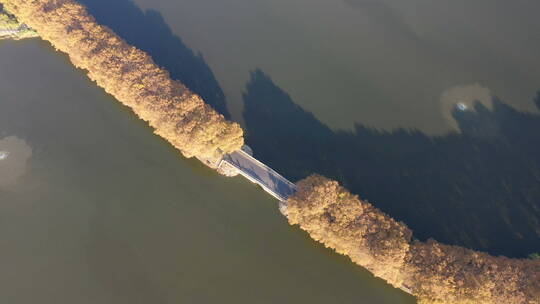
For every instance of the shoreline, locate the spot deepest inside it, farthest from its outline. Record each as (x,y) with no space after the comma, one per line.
(11,28)
(159,110)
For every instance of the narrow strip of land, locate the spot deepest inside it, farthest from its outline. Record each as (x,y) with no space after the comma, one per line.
(433,272)
(259,173)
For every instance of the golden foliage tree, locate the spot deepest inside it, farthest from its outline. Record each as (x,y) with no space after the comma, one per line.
(350,226)
(433,272)
(130,75)
(442,274)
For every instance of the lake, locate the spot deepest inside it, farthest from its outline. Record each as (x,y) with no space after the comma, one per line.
(96,209)
(423,109)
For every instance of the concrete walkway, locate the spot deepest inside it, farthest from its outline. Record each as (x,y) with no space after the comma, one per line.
(259,173)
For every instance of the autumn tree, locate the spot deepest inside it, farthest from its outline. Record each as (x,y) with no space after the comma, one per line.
(443,274)
(352,227)
(433,272)
(130,75)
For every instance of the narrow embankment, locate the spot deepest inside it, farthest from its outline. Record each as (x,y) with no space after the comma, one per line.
(132,77)
(10,28)
(433,272)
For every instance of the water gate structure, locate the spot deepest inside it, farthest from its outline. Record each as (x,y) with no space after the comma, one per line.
(243,163)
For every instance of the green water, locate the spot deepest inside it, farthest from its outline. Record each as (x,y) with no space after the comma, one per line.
(96,209)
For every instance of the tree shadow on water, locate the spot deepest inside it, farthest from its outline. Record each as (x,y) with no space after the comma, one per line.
(148,31)
(479,188)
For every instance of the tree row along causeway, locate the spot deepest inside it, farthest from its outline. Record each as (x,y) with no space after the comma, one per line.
(433,272)
(132,77)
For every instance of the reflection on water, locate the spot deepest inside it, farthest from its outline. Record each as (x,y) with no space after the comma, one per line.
(14,155)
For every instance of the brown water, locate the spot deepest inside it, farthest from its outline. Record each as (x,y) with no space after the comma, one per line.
(96,209)
(323,65)
(382,63)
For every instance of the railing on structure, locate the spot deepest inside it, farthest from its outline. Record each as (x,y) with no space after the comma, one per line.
(12,32)
(259,173)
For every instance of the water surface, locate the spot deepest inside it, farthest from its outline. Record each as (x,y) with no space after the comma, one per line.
(367,92)
(94,208)
(382,63)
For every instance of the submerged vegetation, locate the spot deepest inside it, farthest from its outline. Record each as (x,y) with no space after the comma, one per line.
(130,75)
(433,272)
(10,27)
